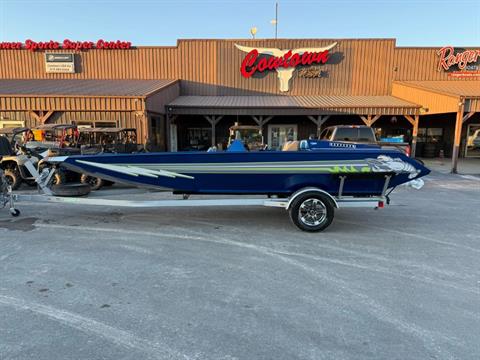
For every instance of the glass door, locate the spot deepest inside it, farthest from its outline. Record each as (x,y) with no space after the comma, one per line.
(280,134)
(472,147)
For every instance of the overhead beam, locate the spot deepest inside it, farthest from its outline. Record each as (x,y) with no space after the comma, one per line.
(369,120)
(261,120)
(41,117)
(46,116)
(468,116)
(35,115)
(319,120)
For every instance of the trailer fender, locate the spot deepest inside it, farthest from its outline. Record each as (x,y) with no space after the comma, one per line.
(312,190)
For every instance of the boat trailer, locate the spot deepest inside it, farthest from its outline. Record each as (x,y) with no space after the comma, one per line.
(310,209)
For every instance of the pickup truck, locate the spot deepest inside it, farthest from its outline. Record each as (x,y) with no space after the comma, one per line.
(360,134)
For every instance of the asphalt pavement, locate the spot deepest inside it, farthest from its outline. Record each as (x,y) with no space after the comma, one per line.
(84,282)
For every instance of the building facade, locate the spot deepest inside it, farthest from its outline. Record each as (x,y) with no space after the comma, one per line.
(186,97)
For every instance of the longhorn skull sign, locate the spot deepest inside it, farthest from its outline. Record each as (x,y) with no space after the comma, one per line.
(283,61)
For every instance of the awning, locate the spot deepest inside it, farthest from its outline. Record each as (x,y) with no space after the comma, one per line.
(83,95)
(292,105)
(440,96)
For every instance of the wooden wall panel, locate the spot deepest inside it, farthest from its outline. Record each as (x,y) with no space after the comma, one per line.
(197,64)
(212,67)
(357,67)
(157,102)
(436,103)
(13,103)
(140,63)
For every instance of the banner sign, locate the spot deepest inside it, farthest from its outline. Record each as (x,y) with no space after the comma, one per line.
(66,45)
(459,62)
(57,63)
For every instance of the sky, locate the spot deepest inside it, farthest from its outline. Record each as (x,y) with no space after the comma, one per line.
(157,22)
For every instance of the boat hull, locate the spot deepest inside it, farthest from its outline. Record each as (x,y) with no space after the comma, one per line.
(263,172)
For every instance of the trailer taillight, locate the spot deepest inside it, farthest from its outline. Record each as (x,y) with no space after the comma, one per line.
(381,204)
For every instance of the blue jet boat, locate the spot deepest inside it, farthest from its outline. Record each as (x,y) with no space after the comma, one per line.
(352,169)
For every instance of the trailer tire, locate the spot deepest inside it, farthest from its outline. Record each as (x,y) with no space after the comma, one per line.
(95,183)
(312,211)
(13,178)
(15,212)
(71,190)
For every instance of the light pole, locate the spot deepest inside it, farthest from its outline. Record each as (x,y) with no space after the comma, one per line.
(275,21)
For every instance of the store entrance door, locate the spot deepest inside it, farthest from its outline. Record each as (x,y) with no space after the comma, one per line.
(472,146)
(280,134)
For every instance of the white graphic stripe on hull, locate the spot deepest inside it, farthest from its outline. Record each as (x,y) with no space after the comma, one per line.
(135,170)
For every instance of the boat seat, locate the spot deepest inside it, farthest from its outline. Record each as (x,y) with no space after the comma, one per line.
(290,146)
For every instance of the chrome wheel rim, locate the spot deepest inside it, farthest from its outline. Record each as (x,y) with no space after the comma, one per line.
(312,212)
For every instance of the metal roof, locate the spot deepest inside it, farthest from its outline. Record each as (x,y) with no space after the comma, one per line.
(291,105)
(55,126)
(77,87)
(466,88)
(105,130)
(290,102)
(14,130)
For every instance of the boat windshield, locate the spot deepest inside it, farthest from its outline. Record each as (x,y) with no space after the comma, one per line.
(250,137)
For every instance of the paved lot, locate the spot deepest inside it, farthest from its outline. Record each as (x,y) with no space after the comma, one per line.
(243,283)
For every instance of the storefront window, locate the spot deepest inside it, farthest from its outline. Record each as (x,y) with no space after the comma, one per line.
(198,139)
(280,134)
(430,135)
(473,141)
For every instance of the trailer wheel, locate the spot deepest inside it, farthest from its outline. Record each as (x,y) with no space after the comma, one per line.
(312,212)
(13,178)
(94,182)
(15,212)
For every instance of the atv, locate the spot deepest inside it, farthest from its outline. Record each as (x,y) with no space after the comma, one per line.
(13,159)
(12,163)
(115,140)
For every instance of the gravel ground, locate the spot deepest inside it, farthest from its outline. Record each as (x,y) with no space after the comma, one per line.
(80,282)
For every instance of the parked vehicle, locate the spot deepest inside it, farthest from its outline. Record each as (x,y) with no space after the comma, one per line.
(58,140)
(360,134)
(51,136)
(13,164)
(106,140)
(474,140)
(250,135)
(14,161)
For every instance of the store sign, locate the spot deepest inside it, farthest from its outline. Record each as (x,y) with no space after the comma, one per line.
(56,63)
(284,62)
(462,63)
(66,45)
